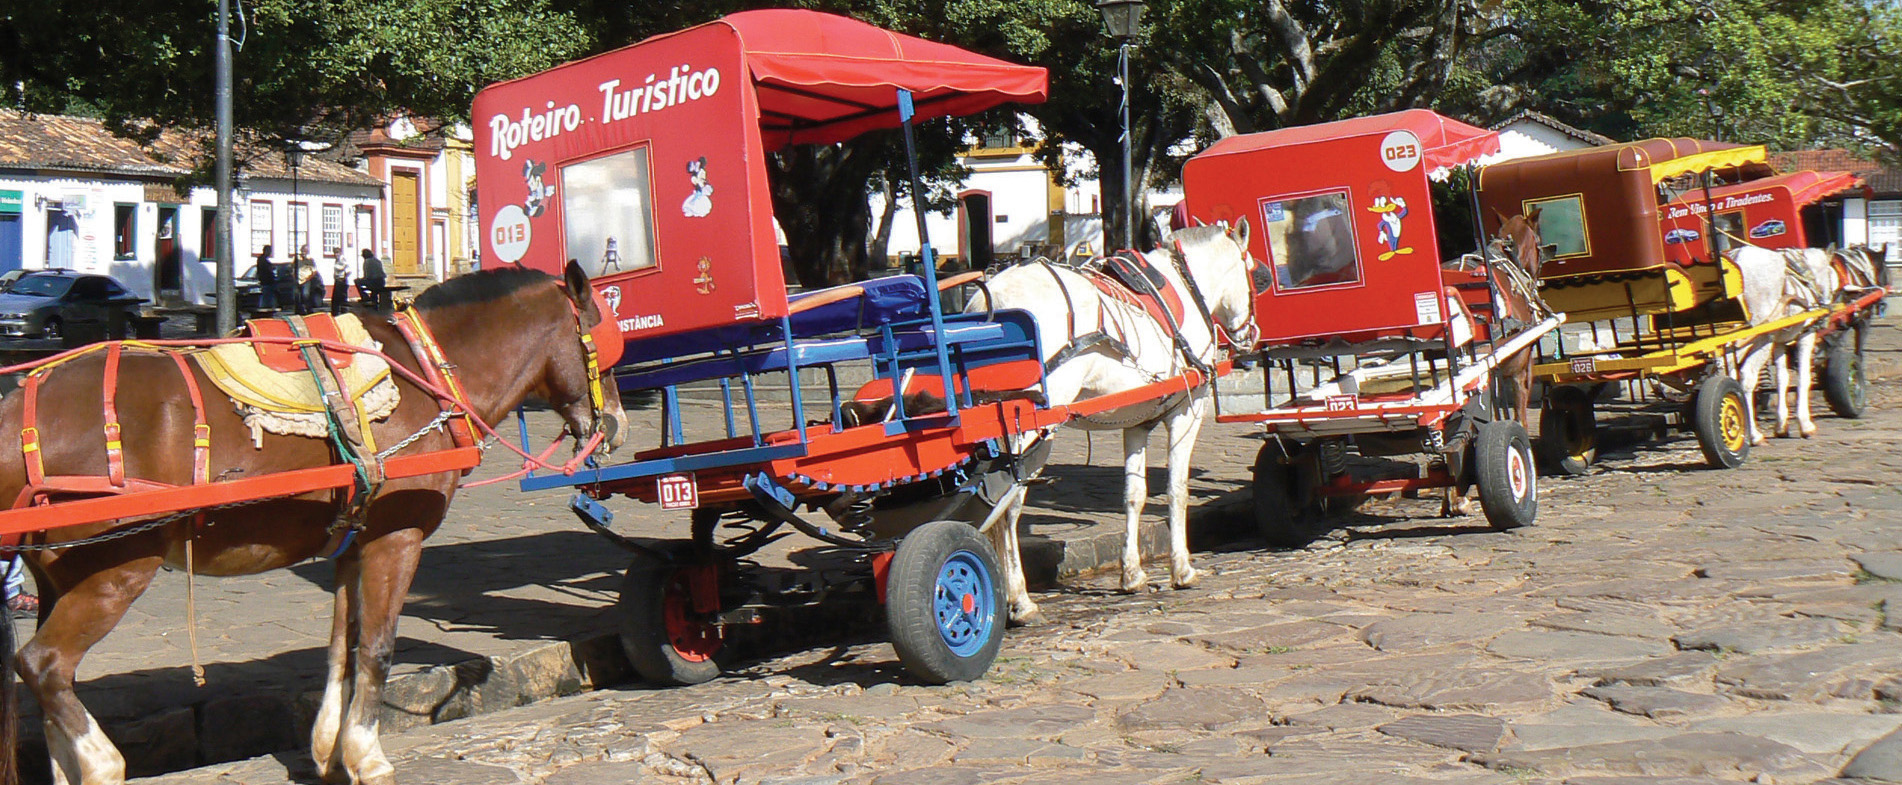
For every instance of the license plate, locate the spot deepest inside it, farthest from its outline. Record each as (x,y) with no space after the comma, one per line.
(1584,365)
(1341,403)
(679,492)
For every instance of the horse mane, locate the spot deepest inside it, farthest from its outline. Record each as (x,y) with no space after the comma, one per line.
(480,287)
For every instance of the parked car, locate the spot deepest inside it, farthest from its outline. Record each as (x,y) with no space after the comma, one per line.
(7,278)
(41,303)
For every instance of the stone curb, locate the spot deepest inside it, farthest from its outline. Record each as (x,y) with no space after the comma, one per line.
(244,725)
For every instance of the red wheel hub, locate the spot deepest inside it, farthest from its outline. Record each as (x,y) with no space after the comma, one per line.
(693,638)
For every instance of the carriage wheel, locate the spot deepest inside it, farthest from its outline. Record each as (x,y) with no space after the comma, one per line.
(1844,385)
(1568,431)
(1508,486)
(1721,422)
(666,641)
(941,603)
(1284,498)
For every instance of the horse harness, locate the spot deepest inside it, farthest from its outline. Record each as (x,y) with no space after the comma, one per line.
(1127,277)
(349,434)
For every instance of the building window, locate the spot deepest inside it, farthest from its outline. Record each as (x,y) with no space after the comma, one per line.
(207,234)
(300,229)
(333,230)
(262,233)
(125,225)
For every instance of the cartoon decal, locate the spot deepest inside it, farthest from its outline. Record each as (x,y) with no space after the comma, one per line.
(1391,209)
(1770,228)
(610,258)
(701,201)
(703,283)
(1676,236)
(612,294)
(532,172)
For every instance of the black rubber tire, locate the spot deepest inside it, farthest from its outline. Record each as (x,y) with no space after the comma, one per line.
(1284,507)
(645,592)
(1568,431)
(1720,420)
(52,329)
(925,556)
(1844,385)
(1507,477)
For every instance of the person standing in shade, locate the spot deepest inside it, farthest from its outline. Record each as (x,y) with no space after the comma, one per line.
(370,281)
(339,284)
(267,279)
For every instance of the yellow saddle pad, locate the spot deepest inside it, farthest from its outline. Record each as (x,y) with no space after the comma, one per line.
(291,402)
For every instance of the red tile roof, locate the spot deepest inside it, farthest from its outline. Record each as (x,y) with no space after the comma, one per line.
(79,144)
(1880,179)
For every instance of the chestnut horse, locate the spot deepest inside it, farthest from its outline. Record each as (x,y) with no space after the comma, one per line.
(508,334)
(1513,260)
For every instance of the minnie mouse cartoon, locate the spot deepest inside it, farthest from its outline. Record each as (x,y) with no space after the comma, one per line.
(700,202)
(532,172)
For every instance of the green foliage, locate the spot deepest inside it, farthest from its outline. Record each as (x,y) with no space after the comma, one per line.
(309,69)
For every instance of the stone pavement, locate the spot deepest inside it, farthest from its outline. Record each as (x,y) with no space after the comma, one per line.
(1661,624)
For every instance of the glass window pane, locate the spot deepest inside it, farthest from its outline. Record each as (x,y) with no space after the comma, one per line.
(261,229)
(607,213)
(1311,240)
(333,230)
(1562,225)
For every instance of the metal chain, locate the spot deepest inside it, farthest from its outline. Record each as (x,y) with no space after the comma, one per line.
(441,417)
(143,527)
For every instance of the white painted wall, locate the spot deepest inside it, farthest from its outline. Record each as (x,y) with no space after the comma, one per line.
(1526,139)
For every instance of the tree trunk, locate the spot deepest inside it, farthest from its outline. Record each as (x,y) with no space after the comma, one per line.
(1109,179)
(819,197)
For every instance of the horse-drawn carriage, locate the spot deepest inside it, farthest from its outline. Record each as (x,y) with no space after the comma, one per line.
(649,164)
(1643,244)
(1369,340)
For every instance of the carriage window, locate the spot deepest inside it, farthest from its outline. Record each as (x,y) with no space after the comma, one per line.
(1562,225)
(607,213)
(1311,240)
(1729,228)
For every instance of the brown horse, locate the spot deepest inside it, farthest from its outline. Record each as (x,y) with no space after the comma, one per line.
(1513,260)
(508,334)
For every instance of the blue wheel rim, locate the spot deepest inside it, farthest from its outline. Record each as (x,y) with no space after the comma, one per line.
(964,604)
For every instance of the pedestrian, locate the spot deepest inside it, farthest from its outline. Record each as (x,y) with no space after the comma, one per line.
(309,291)
(266,273)
(339,284)
(370,281)
(19,602)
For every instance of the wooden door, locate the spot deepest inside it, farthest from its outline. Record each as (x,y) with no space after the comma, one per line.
(405,254)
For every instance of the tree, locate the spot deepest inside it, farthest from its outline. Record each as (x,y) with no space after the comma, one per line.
(307,70)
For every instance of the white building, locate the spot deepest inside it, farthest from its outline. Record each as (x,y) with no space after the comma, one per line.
(74,196)
(1530,133)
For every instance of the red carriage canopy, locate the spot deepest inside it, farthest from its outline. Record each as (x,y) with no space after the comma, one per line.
(1343,215)
(647,164)
(824,78)
(1444,141)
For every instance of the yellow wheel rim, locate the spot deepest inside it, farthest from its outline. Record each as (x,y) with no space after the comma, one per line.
(1730,423)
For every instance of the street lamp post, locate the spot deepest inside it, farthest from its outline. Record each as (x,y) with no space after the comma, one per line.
(1124,19)
(294,156)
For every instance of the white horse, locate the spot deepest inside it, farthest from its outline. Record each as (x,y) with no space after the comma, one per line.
(1074,319)
(1785,283)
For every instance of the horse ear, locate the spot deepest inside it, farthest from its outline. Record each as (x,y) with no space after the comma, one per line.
(1532,216)
(1239,233)
(575,285)
(1498,215)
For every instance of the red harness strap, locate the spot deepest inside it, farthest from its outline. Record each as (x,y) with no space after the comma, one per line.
(437,369)
(201,430)
(115,449)
(30,432)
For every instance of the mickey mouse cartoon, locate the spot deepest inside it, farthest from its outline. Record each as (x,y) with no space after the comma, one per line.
(700,202)
(532,172)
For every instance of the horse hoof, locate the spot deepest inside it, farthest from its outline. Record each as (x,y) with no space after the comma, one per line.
(1033,618)
(1186,580)
(1133,584)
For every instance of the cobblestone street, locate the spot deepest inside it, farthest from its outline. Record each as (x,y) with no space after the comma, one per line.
(1661,624)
